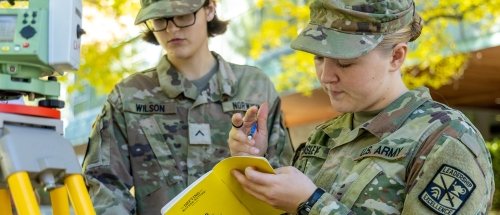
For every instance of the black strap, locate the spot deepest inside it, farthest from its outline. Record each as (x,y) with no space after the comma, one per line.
(305,207)
(298,151)
(418,160)
(315,196)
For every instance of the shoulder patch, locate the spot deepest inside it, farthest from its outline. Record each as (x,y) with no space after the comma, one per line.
(447,191)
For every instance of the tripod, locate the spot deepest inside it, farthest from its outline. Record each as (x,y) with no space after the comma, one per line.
(33,151)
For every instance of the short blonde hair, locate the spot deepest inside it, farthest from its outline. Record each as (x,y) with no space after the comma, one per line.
(407,34)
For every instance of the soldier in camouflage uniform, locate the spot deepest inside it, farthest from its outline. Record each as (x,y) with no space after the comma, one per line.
(393,150)
(162,128)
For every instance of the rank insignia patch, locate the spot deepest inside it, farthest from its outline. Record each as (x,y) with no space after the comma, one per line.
(447,191)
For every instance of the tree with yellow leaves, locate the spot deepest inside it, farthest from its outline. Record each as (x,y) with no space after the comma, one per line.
(437,59)
(107,55)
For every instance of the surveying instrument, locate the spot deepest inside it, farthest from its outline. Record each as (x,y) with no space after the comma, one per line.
(38,43)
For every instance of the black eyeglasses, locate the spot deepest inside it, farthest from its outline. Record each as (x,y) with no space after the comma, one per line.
(181,21)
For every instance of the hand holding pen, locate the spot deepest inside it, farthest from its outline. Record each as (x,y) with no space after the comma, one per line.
(252,131)
(248,135)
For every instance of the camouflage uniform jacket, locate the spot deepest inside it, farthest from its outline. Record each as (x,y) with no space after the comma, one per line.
(417,156)
(156,133)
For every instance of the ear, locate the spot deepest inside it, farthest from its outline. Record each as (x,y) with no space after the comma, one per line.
(210,11)
(398,56)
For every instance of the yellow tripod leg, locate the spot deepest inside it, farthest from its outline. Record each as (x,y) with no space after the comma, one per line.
(59,200)
(22,193)
(5,205)
(79,195)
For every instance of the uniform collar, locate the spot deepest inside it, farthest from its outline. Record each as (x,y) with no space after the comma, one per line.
(174,83)
(394,115)
(386,122)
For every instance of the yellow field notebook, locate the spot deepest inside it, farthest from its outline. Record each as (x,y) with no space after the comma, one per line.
(219,193)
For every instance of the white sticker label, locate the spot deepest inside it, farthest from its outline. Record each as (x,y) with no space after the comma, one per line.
(199,133)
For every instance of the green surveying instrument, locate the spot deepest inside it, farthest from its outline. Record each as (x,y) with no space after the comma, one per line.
(38,42)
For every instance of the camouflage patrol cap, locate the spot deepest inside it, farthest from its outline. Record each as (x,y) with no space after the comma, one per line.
(166,8)
(344,29)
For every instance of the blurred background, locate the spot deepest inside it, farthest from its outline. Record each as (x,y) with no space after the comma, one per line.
(457,57)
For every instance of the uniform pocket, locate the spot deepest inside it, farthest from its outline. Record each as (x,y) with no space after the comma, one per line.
(161,149)
(366,176)
(98,148)
(375,191)
(155,197)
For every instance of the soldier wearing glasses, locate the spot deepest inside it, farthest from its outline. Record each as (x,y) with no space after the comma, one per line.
(162,128)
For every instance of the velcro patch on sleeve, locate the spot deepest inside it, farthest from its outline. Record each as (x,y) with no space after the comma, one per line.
(383,151)
(231,106)
(152,108)
(318,151)
(447,191)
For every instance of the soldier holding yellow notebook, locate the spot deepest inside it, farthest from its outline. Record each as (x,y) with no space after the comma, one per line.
(393,150)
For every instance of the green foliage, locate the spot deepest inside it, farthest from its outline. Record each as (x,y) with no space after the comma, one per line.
(494,147)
